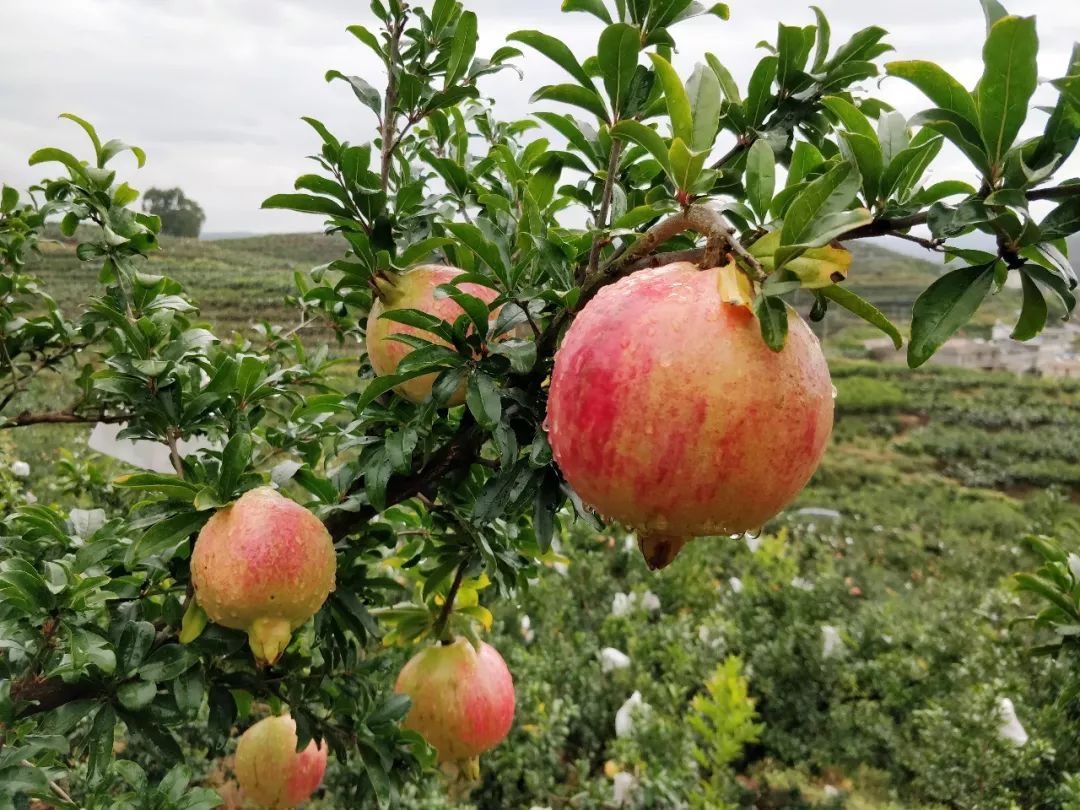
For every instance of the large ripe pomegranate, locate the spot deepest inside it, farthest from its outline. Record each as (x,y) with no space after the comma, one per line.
(668,413)
(263,564)
(269,768)
(414,290)
(462,699)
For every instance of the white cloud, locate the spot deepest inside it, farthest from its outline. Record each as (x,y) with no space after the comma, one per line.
(214,91)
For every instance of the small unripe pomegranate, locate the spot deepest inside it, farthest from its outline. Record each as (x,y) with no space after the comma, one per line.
(263,564)
(414,290)
(269,768)
(668,412)
(462,699)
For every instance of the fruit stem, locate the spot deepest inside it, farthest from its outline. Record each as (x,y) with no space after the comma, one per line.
(441,623)
(384,284)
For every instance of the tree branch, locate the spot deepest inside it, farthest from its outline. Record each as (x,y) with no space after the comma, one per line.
(457,453)
(605,207)
(68,417)
(448,605)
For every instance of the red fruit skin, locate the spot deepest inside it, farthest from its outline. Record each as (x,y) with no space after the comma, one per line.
(668,413)
(416,290)
(269,768)
(462,699)
(263,564)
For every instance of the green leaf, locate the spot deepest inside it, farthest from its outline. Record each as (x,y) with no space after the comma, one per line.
(760,177)
(163,537)
(908,165)
(1009,78)
(462,49)
(1056,283)
(235,459)
(938,86)
(361,88)
(91,133)
(99,742)
(892,135)
(136,695)
(759,98)
(558,52)
(51,155)
(772,315)
(9,198)
(804,159)
(135,642)
(306,204)
(594,7)
(617,57)
(944,307)
(829,194)
(960,132)
(473,238)
(483,400)
(111,149)
(793,46)
(864,309)
(821,50)
(706,99)
(644,136)
(678,102)
(1070,89)
(1033,314)
(167,662)
(1062,222)
(993,11)
(727,81)
(577,96)
(865,153)
(686,165)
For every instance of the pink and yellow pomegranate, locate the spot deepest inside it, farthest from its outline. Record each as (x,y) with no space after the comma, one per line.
(462,700)
(669,413)
(263,564)
(414,290)
(269,768)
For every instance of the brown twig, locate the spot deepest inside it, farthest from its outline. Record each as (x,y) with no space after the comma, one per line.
(439,628)
(68,417)
(55,788)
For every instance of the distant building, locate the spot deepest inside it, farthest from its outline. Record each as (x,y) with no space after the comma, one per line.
(1054,353)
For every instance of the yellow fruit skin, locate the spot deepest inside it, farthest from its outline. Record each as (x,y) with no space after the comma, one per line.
(263,564)
(416,290)
(269,768)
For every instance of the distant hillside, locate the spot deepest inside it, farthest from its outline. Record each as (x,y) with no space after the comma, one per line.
(242,280)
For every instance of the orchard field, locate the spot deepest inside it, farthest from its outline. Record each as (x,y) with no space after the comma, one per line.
(856,653)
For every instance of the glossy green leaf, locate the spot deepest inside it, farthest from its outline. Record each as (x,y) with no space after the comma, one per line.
(727,82)
(864,309)
(938,86)
(462,50)
(943,308)
(577,96)
(644,136)
(1034,311)
(772,315)
(678,102)
(594,7)
(617,56)
(558,52)
(759,98)
(483,400)
(706,98)
(760,177)
(1009,79)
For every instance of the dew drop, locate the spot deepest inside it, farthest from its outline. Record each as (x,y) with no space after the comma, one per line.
(738,536)
(834,392)
(753,534)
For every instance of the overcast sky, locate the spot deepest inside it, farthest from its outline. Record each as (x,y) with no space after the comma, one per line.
(213,90)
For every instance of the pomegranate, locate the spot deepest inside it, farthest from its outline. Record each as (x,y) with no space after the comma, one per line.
(269,768)
(263,564)
(414,290)
(462,699)
(668,412)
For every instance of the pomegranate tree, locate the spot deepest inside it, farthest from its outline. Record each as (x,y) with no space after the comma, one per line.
(462,699)
(415,289)
(269,768)
(263,564)
(669,413)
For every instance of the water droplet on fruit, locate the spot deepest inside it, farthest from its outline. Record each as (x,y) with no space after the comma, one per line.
(834,392)
(753,534)
(738,536)
(546,425)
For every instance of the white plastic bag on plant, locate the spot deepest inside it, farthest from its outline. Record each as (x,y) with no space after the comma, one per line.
(612,659)
(625,716)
